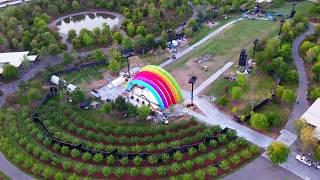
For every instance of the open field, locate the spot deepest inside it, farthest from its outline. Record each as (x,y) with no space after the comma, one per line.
(301,6)
(225,47)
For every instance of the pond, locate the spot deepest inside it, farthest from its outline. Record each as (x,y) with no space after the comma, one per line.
(88,21)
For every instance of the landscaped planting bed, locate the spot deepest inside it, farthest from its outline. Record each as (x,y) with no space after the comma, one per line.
(25,144)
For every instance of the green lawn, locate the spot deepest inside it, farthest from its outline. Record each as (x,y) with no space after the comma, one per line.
(227,45)
(300,7)
(86,75)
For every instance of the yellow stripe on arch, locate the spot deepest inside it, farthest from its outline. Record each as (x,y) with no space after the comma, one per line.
(172,87)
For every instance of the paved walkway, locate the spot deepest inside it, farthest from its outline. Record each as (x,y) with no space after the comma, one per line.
(11,171)
(212,78)
(189,49)
(303,105)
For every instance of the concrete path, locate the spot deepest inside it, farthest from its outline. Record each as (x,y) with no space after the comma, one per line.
(189,49)
(11,171)
(303,105)
(262,169)
(212,78)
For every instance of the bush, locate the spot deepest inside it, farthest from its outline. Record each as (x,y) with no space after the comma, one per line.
(187,165)
(124,160)
(147,172)
(152,159)
(91,170)
(200,174)
(274,119)
(212,171)
(259,121)
(161,171)
(223,152)
(106,171)
(213,143)
(225,165)
(10,72)
(246,154)
(86,156)
(175,167)
(231,133)
(165,157)
(222,138)
(212,156)
(223,101)
(119,171)
(199,160)
(98,158)
(202,147)
(134,171)
(75,153)
(66,165)
(110,160)
(235,159)
(137,160)
(178,156)
(192,151)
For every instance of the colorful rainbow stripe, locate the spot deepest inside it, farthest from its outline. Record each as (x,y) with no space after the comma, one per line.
(160,83)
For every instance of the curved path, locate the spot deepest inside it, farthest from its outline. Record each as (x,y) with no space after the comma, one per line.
(303,105)
(5,166)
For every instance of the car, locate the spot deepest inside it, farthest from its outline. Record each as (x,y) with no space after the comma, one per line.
(304,160)
(317,165)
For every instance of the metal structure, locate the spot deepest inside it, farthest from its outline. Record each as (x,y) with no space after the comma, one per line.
(281,21)
(192,81)
(243,58)
(255,42)
(293,11)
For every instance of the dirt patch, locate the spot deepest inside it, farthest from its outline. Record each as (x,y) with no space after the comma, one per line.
(211,25)
(96,84)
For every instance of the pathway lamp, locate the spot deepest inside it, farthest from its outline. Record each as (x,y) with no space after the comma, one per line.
(281,21)
(126,53)
(293,11)
(192,81)
(255,42)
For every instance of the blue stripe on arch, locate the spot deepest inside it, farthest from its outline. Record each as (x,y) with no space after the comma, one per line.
(150,88)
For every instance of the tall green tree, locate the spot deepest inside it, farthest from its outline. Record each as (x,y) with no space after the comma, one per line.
(143,112)
(127,43)
(259,121)
(10,72)
(278,152)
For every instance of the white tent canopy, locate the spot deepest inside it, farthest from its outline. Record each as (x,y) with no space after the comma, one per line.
(15,58)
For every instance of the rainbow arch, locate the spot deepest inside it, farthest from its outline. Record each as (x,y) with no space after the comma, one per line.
(160,83)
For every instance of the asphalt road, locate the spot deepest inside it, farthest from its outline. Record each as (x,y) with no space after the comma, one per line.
(302,95)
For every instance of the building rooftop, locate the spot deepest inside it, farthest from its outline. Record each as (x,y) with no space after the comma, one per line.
(15,58)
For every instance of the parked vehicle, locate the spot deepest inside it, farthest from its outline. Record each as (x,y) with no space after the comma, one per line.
(304,160)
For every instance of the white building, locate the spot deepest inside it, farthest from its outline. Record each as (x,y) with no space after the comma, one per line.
(15,58)
(312,116)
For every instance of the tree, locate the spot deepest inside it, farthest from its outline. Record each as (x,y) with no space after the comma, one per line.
(150,40)
(127,43)
(307,137)
(271,48)
(139,42)
(67,58)
(10,72)
(114,66)
(288,96)
(279,67)
(143,112)
(75,5)
(316,71)
(53,49)
(285,51)
(34,94)
(292,77)
(99,55)
(131,29)
(259,121)
(117,37)
(223,101)
(72,34)
(192,22)
(305,46)
(141,30)
(188,31)
(77,96)
(315,93)
(278,152)
(236,93)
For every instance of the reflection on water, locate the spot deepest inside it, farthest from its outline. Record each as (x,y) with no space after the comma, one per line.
(88,21)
